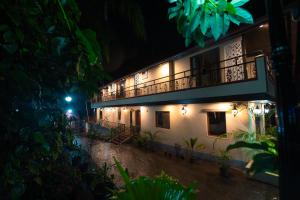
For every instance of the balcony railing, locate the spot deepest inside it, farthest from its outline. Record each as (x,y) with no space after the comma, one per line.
(118,127)
(233,70)
(112,125)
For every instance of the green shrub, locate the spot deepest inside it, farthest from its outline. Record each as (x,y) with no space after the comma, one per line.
(161,187)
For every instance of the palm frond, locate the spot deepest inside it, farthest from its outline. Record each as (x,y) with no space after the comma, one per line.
(162,187)
(131,11)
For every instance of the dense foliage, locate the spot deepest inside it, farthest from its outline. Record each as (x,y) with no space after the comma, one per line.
(161,187)
(200,19)
(44,55)
(264,149)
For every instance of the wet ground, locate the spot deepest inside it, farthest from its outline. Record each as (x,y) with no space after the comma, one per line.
(206,174)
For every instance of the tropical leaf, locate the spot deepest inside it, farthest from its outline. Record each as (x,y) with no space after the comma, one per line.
(195,21)
(226,24)
(187,7)
(88,39)
(234,19)
(212,17)
(245,16)
(264,162)
(242,144)
(130,11)
(216,25)
(266,156)
(237,3)
(205,23)
(161,187)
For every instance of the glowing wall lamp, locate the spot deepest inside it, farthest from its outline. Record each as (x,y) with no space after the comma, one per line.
(266,108)
(183,110)
(257,110)
(234,110)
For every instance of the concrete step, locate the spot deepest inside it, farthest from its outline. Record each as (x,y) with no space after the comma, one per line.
(121,138)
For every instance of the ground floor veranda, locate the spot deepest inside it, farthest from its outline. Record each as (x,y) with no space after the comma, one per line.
(215,125)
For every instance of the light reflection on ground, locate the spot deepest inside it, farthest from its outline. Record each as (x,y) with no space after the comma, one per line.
(211,185)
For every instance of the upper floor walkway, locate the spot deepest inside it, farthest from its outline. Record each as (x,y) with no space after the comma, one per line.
(248,78)
(233,68)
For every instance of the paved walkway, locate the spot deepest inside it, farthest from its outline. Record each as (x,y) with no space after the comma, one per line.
(211,185)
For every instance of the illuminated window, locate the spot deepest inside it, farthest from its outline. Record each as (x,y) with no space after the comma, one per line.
(162,119)
(216,123)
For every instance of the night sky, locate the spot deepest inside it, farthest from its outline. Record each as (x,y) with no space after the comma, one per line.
(129,53)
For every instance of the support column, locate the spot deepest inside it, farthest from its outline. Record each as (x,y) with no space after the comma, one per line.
(286,103)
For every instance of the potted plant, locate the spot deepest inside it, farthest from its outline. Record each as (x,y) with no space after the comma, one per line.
(150,139)
(192,145)
(177,149)
(224,166)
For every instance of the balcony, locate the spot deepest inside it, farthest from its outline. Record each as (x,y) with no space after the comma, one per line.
(235,73)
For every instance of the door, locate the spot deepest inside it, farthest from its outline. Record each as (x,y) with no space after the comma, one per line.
(138,120)
(122,88)
(130,122)
(205,67)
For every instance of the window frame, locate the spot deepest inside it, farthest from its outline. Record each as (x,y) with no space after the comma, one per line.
(168,125)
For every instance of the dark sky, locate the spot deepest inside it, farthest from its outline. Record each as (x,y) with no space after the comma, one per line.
(129,53)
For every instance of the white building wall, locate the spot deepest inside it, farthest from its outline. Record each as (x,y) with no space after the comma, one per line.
(193,124)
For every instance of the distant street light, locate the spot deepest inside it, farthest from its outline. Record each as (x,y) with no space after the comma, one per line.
(69,113)
(68,99)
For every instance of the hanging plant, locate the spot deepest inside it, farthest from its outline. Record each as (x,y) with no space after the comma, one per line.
(200,19)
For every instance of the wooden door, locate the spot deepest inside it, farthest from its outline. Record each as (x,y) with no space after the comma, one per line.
(138,120)
(130,119)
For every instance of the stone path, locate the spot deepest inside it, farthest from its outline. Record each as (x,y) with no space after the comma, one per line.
(211,185)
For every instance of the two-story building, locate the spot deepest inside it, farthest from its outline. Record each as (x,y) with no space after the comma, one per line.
(204,92)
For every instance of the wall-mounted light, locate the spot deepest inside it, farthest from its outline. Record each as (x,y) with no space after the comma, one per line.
(234,110)
(267,108)
(257,110)
(183,110)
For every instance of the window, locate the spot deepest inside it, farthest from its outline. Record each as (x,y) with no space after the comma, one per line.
(119,114)
(202,66)
(216,123)
(162,119)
